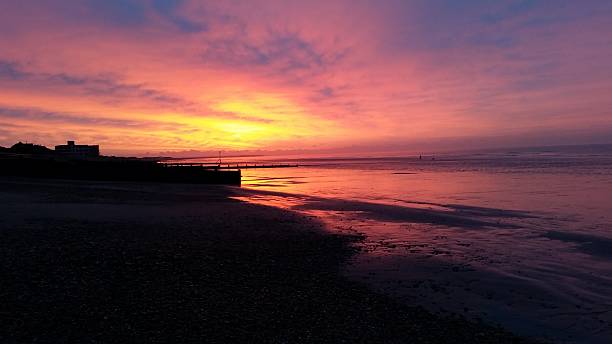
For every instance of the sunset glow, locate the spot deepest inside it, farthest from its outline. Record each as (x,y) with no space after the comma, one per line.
(143,77)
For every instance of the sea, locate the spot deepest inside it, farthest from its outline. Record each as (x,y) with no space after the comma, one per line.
(520,238)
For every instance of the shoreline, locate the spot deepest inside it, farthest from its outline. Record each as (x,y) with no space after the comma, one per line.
(108,261)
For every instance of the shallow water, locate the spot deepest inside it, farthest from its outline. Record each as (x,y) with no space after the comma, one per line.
(519,238)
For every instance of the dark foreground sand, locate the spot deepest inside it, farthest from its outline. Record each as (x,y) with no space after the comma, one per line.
(125,262)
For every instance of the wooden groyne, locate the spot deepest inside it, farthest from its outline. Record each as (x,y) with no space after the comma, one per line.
(114,169)
(227,166)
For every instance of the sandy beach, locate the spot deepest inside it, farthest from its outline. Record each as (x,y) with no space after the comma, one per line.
(142,262)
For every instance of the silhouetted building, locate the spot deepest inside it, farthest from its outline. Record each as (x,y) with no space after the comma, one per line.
(78,150)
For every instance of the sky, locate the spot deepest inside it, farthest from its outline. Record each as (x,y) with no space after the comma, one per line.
(171,76)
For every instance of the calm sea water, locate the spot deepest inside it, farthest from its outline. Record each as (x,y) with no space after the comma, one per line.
(521,238)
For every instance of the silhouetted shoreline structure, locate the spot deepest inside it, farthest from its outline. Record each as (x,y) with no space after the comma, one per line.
(227,166)
(84,163)
(70,148)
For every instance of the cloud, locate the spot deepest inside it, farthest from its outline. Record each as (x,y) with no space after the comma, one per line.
(119,12)
(45,118)
(10,70)
(280,53)
(326,92)
(509,11)
(91,86)
(170,10)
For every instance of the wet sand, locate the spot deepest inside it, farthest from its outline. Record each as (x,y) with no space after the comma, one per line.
(520,242)
(137,262)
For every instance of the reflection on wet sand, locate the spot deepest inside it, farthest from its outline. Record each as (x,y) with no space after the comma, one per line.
(479,244)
